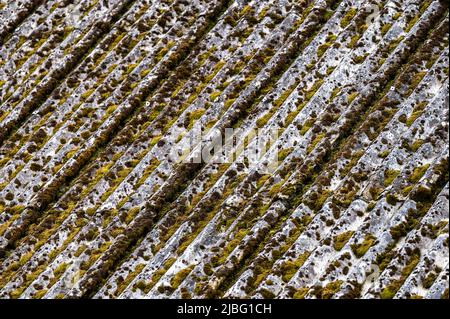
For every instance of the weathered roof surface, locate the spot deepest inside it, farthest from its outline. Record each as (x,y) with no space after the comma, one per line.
(95,94)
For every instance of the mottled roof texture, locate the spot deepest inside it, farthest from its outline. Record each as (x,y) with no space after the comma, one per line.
(95,93)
